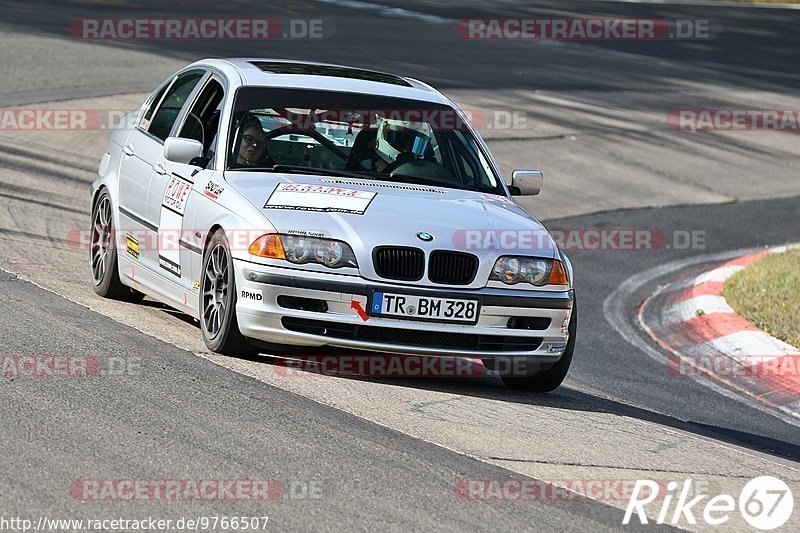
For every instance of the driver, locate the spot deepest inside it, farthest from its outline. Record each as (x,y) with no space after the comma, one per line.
(400,141)
(253,143)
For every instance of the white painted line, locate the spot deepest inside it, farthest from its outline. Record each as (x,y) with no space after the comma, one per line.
(705,304)
(679,285)
(615,314)
(715,275)
(747,347)
(388,11)
(708,3)
(718,274)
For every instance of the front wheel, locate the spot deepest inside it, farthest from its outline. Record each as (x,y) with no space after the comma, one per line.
(218,300)
(103,254)
(550,379)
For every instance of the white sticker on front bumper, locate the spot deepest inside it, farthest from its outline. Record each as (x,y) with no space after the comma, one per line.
(253,295)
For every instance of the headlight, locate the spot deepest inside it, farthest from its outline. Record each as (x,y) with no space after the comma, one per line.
(534,270)
(329,253)
(300,250)
(507,270)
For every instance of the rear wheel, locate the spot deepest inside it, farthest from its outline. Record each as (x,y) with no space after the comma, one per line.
(218,300)
(103,254)
(550,379)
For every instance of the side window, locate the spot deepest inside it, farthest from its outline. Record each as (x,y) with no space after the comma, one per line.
(471,167)
(202,120)
(172,102)
(151,105)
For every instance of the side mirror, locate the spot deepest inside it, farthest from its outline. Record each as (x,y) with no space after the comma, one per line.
(526,182)
(180,150)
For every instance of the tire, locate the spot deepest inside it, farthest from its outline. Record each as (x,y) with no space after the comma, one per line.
(550,379)
(103,254)
(218,300)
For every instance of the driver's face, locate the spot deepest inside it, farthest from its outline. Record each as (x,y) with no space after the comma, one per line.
(252,145)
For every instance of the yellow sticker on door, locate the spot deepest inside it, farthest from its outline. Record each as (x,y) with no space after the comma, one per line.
(132,245)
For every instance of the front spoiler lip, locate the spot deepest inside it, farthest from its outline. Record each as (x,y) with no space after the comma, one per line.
(486,296)
(394,348)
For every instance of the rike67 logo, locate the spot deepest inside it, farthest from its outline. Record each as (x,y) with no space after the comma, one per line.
(765,503)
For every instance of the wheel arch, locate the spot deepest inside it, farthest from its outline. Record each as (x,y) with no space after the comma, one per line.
(211,231)
(568,266)
(96,194)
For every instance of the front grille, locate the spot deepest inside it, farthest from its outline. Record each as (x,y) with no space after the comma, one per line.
(400,263)
(416,338)
(452,268)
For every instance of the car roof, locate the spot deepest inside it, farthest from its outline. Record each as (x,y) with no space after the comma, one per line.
(309,75)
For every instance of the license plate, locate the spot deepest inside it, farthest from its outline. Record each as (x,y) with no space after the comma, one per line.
(413,307)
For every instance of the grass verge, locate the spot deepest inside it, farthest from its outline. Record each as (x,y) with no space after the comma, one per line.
(767,293)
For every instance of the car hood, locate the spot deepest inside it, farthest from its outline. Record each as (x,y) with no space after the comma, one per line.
(393,214)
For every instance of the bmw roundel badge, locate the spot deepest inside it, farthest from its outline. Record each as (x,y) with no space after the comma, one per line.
(427,237)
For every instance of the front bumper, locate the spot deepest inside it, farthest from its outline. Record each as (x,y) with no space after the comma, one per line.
(263,314)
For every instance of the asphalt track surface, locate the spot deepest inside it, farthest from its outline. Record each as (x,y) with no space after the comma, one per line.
(389,453)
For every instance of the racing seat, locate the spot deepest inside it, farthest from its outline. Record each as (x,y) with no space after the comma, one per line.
(362,155)
(210,145)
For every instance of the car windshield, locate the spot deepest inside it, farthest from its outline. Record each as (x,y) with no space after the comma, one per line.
(374,136)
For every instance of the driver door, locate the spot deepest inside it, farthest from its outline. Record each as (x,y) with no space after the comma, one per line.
(181,192)
(158,129)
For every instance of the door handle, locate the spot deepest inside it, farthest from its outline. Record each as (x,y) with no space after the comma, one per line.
(160,169)
(128,150)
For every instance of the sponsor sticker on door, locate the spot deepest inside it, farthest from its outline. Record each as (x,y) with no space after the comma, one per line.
(173,206)
(213,190)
